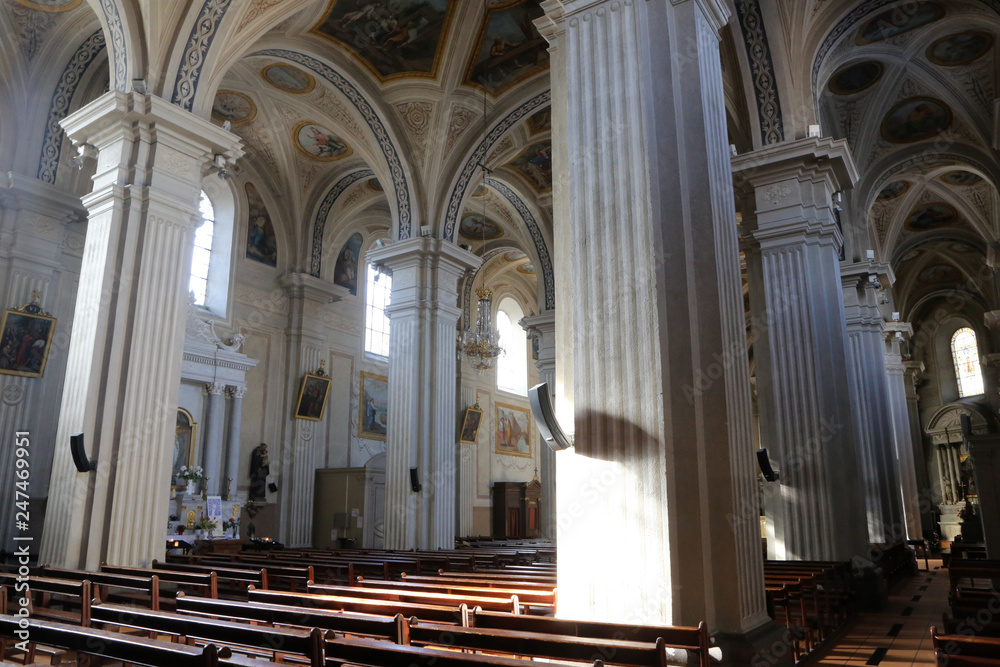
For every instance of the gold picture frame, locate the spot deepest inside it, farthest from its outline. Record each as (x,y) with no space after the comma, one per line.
(470,425)
(313,394)
(512,430)
(373,414)
(25,339)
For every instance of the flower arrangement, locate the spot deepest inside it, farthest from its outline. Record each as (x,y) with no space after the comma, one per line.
(192,474)
(206,524)
(231,524)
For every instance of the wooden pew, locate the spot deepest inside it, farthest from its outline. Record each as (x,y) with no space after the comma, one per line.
(458,580)
(506,604)
(206,583)
(77,592)
(275,642)
(956,650)
(147,587)
(455,614)
(532,598)
(235,579)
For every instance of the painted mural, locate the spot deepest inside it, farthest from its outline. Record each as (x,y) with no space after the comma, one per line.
(535,164)
(345,273)
(940,273)
(288,78)
(514,256)
(319,143)
(50,5)
(527,269)
(855,78)
(931,216)
(393,37)
(915,119)
(476,228)
(235,107)
(540,121)
(509,47)
(960,49)
(898,20)
(892,190)
(961,177)
(262,244)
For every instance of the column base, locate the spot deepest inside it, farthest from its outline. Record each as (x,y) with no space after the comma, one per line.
(768,645)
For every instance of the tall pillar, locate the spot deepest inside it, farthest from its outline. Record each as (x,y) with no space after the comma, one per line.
(662,470)
(543,327)
(124,362)
(902,439)
(301,454)
(215,416)
(423,315)
(232,467)
(866,373)
(816,510)
(913,377)
(985,452)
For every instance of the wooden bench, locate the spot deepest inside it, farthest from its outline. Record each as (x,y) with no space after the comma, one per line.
(146,587)
(531,598)
(443,614)
(231,580)
(956,650)
(507,604)
(205,583)
(78,593)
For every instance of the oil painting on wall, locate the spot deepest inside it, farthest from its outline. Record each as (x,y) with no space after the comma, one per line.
(509,48)
(345,273)
(513,436)
(262,244)
(25,340)
(373,415)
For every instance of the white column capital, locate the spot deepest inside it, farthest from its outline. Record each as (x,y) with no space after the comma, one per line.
(557,11)
(815,159)
(305,286)
(541,325)
(425,272)
(214,388)
(237,393)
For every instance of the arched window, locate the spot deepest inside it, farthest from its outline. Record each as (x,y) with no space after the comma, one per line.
(965,353)
(201,259)
(512,366)
(377,292)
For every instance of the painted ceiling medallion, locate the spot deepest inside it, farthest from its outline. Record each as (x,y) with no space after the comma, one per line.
(855,78)
(235,107)
(940,273)
(960,247)
(961,177)
(398,39)
(912,255)
(50,5)
(289,79)
(896,21)
(476,228)
(514,256)
(509,48)
(960,49)
(931,216)
(319,143)
(892,190)
(527,269)
(375,185)
(915,119)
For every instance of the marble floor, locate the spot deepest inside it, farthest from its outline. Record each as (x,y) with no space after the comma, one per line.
(898,635)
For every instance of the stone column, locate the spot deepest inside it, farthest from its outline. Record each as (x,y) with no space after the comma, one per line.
(232,468)
(543,326)
(124,361)
(211,453)
(870,400)
(423,316)
(663,463)
(300,454)
(902,438)
(816,511)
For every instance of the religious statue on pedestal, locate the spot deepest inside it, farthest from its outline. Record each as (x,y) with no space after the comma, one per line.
(259,470)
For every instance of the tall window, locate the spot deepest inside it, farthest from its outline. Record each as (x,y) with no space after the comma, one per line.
(202,257)
(512,366)
(379,287)
(965,353)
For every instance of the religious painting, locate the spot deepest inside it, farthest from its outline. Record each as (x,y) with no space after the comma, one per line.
(540,121)
(896,21)
(374,184)
(535,164)
(892,190)
(931,216)
(514,256)
(513,436)
(312,397)
(319,143)
(509,48)
(25,339)
(394,38)
(940,273)
(960,49)
(235,107)
(527,269)
(855,78)
(915,119)
(288,78)
(470,425)
(262,244)
(477,228)
(185,437)
(345,273)
(54,6)
(961,177)
(374,412)
(961,247)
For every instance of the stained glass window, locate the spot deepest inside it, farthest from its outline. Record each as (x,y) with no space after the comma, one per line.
(965,353)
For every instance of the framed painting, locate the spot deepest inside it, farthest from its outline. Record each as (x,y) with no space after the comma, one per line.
(373,414)
(25,340)
(513,430)
(312,397)
(470,425)
(185,437)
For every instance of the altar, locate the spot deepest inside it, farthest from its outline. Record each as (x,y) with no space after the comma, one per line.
(190,510)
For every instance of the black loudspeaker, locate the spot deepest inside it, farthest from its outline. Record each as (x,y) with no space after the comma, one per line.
(545,418)
(80,460)
(770,474)
(415,481)
(272,487)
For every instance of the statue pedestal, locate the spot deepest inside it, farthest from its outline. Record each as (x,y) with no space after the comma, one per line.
(949,523)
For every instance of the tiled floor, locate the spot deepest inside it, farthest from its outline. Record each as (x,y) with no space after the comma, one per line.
(899,635)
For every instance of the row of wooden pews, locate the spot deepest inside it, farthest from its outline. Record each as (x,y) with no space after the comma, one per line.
(973,598)
(962,650)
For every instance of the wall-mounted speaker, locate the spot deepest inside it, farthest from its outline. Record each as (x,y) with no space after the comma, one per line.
(272,487)
(80,459)
(545,418)
(415,481)
(770,474)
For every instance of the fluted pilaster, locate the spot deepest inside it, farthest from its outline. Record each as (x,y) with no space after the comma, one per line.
(232,467)
(902,439)
(215,415)
(543,327)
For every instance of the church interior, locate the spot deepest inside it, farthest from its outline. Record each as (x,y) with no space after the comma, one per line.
(277,275)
